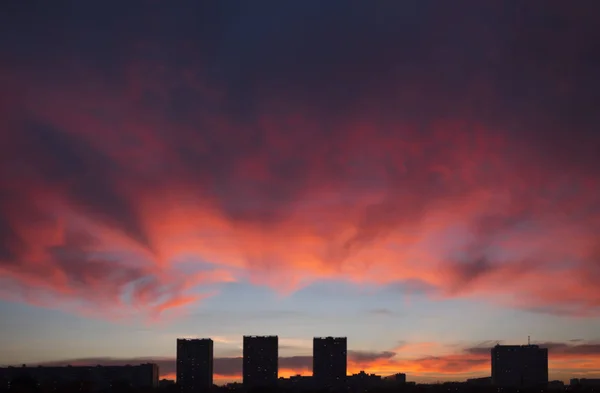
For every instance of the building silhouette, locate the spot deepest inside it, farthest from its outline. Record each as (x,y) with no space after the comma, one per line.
(93,378)
(397,379)
(363,381)
(481,381)
(585,382)
(329,361)
(260,363)
(194,364)
(519,366)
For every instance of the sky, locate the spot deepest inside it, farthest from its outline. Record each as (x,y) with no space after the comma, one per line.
(422,177)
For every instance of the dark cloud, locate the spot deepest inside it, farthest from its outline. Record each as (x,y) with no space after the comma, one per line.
(561,310)
(296,362)
(350,52)
(588,348)
(13,203)
(480,350)
(8,240)
(228,366)
(451,364)
(380,311)
(469,271)
(167,366)
(276,314)
(574,348)
(369,356)
(91,176)
(231,366)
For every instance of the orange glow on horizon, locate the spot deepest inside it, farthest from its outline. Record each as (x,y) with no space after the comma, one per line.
(445,367)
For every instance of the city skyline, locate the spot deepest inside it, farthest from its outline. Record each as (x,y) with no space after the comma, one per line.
(512,366)
(419,176)
(201,352)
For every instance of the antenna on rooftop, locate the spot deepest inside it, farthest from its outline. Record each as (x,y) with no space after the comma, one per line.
(528,340)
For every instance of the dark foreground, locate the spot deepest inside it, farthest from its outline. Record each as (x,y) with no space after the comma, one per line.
(26,385)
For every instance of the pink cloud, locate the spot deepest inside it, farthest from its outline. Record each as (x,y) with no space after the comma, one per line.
(108,178)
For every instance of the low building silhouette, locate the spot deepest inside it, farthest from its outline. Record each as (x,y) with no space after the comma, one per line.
(165,383)
(396,379)
(585,382)
(363,381)
(93,378)
(483,381)
(556,385)
(297,383)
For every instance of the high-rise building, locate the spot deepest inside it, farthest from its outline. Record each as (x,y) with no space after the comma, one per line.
(519,366)
(195,364)
(260,363)
(329,361)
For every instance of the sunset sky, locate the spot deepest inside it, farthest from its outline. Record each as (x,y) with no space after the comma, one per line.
(420,176)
